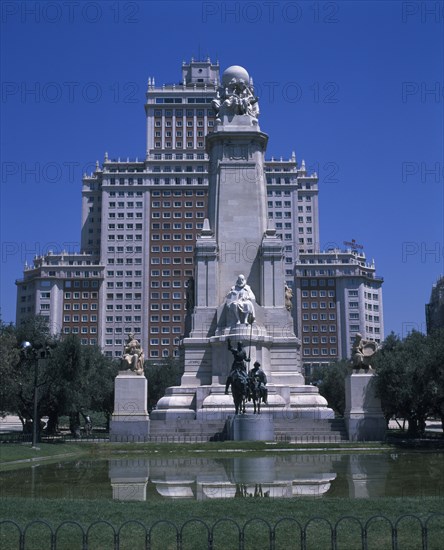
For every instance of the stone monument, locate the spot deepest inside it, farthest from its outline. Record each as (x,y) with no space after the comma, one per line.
(239,284)
(363,414)
(130,420)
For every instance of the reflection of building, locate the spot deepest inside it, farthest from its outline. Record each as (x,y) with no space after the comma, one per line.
(435,308)
(202,479)
(338,294)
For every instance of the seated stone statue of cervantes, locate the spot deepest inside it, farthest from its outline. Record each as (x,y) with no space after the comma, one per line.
(239,302)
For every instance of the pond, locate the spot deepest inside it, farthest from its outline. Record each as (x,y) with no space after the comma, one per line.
(280,475)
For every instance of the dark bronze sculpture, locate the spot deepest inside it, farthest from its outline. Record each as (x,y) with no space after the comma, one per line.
(238,377)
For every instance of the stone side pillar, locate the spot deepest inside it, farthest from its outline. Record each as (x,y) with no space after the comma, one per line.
(363,414)
(130,420)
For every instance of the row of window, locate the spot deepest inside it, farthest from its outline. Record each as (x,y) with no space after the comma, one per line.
(119,318)
(168,261)
(113,226)
(188,112)
(125,194)
(179,133)
(315,339)
(119,273)
(120,330)
(80,330)
(163,341)
(128,284)
(76,295)
(176,225)
(128,249)
(177,215)
(165,318)
(320,317)
(318,328)
(128,204)
(123,215)
(127,237)
(128,296)
(165,307)
(324,351)
(124,181)
(167,295)
(166,330)
(128,261)
(179,144)
(174,237)
(177,204)
(119,307)
(77,318)
(76,307)
(175,248)
(179,156)
(179,168)
(281,180)
(178,193)
(316,305)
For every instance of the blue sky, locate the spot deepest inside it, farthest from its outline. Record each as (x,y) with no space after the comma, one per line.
(354,88)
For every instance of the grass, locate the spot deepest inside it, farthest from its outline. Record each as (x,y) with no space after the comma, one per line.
(239,512)
(24,452)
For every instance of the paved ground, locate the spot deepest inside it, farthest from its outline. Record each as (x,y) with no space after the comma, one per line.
(12,423)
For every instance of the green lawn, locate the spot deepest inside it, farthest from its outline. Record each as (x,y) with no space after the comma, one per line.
(239,511)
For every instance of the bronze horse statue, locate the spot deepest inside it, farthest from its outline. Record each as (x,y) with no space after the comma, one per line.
(239,391)
(254,393)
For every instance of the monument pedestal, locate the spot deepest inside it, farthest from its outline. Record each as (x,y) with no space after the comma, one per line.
(251,427)
(363,415)
(130,420)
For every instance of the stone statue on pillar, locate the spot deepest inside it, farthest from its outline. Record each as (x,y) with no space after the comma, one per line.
(133,357)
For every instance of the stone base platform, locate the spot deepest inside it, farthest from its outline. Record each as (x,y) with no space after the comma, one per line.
(251,427)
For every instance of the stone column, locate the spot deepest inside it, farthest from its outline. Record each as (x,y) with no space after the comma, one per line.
(363,414)
(130,420)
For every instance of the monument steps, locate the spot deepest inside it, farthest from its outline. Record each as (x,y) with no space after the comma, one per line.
(292,430)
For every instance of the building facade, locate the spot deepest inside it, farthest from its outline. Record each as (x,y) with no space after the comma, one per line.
(338,294)
(435,308)
(141,217)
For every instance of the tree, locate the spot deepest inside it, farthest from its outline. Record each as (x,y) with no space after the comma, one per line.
(404,382)
(331,384)
(161,375)
(436,365)
(9,359)
(72,379)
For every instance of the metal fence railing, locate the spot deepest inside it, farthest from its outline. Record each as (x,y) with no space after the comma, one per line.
(406,531)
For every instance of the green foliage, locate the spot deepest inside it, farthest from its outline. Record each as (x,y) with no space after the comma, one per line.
(331,384)
(161,375)
(410,380)
(9,360)
(71,378)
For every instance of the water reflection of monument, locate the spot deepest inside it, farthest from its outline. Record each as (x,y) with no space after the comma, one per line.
(239,273)
(201,479)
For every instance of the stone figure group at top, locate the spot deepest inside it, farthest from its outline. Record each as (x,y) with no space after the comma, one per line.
(236,96)
(133,357)
(239,302)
